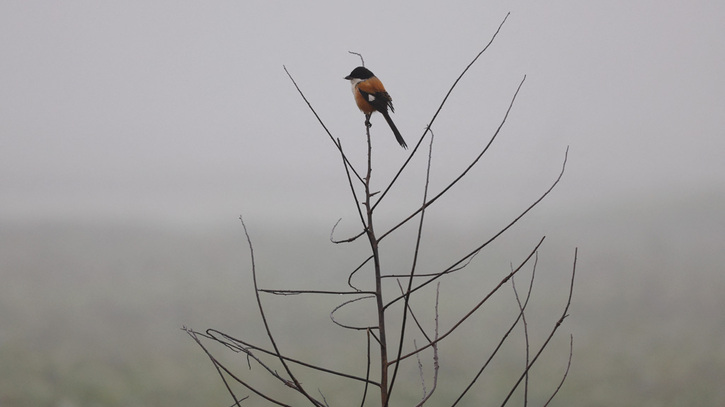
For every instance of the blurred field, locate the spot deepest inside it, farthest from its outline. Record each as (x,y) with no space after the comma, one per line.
(90,314)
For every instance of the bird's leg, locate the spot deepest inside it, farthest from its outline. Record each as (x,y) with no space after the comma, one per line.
(367,121)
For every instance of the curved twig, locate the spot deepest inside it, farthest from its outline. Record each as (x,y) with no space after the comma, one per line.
(348,240)
(357,328)
(362,61)
(358,268)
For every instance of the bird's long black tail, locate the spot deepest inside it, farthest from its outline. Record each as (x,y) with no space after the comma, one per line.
(394,129)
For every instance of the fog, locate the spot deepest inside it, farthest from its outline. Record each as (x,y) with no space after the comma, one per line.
(134,134)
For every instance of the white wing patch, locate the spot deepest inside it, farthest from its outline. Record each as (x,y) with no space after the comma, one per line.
(371,97)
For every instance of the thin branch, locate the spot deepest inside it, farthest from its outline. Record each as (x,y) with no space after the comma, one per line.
(436,366)
(526,327)
(566,373)
(447,271)
(296,384)
(296,292)
(322,123)
(359,328)
(435,115)
(367,370)
(216,366)
(420,369)
(349,278)
(324,399)
(564,314)
(352,190)
(239,345)
(220,367)
(348,240)
(418,238)
(362,61)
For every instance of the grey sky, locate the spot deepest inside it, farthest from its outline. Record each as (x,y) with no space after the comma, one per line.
(177,111)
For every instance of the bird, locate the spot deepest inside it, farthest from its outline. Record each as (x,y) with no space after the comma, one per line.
(371,96)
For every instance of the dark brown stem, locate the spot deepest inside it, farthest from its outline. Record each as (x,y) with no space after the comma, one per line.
(370,231)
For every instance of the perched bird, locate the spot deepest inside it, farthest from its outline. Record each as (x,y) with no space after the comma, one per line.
(371,96)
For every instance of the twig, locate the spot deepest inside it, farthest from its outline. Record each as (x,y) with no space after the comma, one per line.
(245,346)
(296,292)
(564,314)
(436,366)
(321,123)
(332,314)
(420,369)
(367,370)
(352,190)
(324,399)
(418,238)
(349,278)
(362,61)
(447,271)
(526,325)
(348,240)
(566,373)
(295,383)
(435,115)
(219,367)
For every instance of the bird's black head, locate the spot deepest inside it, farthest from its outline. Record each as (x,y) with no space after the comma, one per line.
(360,73)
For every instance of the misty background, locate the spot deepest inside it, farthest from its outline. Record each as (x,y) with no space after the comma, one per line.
(134,134)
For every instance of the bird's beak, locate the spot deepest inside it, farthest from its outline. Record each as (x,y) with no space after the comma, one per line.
(348,77)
